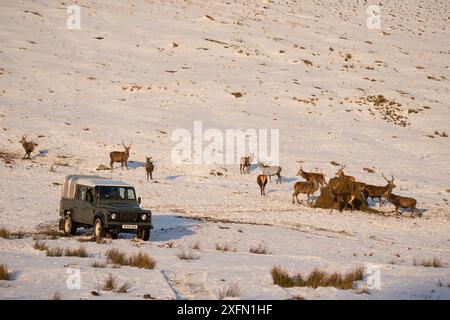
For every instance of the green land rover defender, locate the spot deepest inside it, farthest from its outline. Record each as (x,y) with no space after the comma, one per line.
(108,206)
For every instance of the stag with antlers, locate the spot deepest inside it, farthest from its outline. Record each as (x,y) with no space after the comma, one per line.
(28,146)
(120,156)
(379,191)
(340,173)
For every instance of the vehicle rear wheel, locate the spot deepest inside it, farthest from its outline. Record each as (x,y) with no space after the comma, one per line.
(99,233)
(144,234)
(70,227)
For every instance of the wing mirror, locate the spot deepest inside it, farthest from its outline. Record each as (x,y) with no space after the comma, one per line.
(139,200)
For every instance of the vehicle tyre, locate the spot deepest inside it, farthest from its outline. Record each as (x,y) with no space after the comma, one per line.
(99,232)
(70,227)
(144,234)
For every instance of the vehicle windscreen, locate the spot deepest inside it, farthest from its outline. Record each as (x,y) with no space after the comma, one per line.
(115,193)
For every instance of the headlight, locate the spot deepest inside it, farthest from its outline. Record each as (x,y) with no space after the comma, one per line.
(144,216)
(113,216)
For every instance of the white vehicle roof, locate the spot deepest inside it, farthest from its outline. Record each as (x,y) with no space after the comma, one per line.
(70,182)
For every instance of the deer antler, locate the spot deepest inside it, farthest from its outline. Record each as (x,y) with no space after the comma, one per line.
(384,177)
(130,143)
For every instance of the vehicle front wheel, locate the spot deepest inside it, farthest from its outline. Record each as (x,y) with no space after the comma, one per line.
(144,234)
(70,227)
(99,233)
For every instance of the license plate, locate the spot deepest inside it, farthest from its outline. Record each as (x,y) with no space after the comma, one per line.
(129,226)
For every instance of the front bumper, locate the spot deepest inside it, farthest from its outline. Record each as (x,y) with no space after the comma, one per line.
(127,227)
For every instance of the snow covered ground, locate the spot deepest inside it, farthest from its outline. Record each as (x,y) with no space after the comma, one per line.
(138,70)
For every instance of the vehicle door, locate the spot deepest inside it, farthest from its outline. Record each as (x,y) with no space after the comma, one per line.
(80,196)
(88,206)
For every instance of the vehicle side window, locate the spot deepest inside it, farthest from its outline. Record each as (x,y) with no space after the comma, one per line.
(130,194)
(81,192)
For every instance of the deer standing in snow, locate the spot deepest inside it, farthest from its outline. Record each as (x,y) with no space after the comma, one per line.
(120,156)
(28,146)
(270,171)
(262,182)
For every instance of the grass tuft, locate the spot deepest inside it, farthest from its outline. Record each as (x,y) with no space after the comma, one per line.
(98,264)
(434,262)
(230,291)
(40,245)
(77,252)
(110,283)
(124,288)
(4,233)
(259,250)
(4,273)
(138,260)
(141,260)
(317,278)
(55,252)
(224,248)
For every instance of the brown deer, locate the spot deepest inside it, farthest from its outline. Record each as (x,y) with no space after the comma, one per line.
(403,202)
(28,146)
(308,188)
(120,156)
(340,173)
(244,165)
(262,182)
(149,167)
(379,191)
(342,200)
(310,176)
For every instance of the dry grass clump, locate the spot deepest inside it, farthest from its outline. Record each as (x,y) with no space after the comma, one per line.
(224,248)
(98,264)
(230,291)
(4,273)
(434,262)
(77,252)
(141,260)
(58,252)
(111,284)
(55,252)
(138,260)
(115,256)
(259,250)
(317,278)
(40,245)
(124,288)
(4,233)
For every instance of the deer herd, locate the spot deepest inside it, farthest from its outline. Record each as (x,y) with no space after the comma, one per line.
(313,180)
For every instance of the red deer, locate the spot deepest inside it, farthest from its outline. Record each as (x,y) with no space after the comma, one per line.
(262,182)
(379,191)
(270,171)
(244,164)
(149,167)
(340,173)
(403,202)
(310,176)
(120,156)
(308,188)
(28,146)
